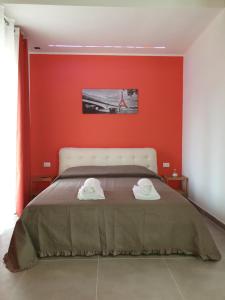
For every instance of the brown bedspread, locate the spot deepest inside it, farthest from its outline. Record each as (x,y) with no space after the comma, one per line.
(56,223)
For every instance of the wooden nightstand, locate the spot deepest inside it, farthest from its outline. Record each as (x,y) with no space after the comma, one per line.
(183,181)
(39,183)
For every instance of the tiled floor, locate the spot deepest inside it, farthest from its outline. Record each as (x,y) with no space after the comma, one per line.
(120,278)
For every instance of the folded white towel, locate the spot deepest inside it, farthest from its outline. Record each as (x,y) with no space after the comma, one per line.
(145,185)
(91,190)
(145,190)
(92,185)
(94,182)
(139,195)
(144,182)
(90,196)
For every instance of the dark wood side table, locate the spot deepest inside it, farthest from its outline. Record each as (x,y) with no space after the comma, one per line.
(183,182)
(39,183)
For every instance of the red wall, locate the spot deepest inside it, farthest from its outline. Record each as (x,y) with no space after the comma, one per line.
(57,121)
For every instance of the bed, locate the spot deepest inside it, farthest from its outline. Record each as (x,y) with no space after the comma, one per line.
(56,223)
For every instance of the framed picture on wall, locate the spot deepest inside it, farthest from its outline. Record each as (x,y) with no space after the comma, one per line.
(110,101)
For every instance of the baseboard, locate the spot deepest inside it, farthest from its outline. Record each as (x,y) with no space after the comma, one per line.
(212,218)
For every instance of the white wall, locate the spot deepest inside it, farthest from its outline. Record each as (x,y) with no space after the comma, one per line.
(204,119)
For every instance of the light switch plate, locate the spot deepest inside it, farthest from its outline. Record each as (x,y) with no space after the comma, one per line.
(46,164)
(166,165)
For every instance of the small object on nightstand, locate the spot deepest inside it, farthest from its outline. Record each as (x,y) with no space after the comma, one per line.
(183,180)
(174,174)
(39,183)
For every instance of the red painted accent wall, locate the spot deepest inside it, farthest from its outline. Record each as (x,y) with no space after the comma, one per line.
(57,121)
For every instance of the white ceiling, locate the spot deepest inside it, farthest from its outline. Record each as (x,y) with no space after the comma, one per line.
(173,26)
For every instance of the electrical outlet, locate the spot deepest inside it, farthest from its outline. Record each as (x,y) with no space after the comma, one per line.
(166,165)
(46,164)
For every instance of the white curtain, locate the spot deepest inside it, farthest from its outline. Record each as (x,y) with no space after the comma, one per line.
(9,45)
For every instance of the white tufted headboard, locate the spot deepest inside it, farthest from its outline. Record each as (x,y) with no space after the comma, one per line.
(74,157)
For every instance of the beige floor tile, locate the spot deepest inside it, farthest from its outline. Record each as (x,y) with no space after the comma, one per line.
(8,282)
(135,279)
(57,280)
(199,280)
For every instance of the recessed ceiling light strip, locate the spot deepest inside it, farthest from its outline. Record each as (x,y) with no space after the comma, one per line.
(107,46)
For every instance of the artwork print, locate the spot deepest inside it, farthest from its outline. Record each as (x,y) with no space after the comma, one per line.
(110,101)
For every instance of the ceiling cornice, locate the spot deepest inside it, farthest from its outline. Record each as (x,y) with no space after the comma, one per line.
(122,3)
